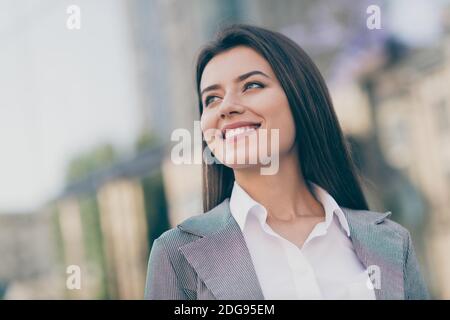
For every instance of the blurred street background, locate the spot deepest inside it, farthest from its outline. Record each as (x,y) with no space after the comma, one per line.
(86,117)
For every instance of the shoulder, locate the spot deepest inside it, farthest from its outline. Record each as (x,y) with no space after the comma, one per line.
(377,228)
(382,219)
(195,227)
(209,222)
(389,244)
(173,238)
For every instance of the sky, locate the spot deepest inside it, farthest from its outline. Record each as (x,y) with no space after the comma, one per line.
(61,92)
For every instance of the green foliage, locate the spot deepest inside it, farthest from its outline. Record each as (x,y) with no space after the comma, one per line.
(146,140)
(93,242)
(99,157)
(155,206)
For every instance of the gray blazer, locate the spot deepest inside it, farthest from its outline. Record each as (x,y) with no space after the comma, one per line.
(206,257)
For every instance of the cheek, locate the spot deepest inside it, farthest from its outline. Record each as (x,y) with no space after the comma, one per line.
(289,131)
(286,125)
(206,122)
(277,114)
(203,122)
(208,128)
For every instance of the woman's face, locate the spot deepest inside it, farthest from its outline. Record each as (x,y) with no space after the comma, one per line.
(239,89)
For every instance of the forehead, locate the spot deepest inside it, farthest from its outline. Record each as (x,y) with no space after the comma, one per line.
(230,64)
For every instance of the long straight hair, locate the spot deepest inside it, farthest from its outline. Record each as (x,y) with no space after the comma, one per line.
(323,153)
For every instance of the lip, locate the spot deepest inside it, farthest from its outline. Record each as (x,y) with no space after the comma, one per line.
(239,124)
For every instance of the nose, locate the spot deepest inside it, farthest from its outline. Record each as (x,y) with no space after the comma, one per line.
(230,106)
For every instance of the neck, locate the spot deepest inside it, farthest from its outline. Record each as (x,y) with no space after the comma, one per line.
(285,194)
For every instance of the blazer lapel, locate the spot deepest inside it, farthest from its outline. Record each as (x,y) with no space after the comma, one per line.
(380,249)
(222,260)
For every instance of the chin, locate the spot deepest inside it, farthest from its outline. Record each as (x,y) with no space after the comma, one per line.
(243,166)
(240,158)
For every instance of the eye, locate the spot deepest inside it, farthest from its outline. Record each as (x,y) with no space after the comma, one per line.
(209,100)
(252,85)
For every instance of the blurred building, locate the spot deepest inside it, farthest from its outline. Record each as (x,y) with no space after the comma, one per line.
(107,224)
(28,256)
(403,107)
(124,228)
(413,111)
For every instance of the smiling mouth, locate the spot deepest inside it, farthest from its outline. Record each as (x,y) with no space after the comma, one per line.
(241,131)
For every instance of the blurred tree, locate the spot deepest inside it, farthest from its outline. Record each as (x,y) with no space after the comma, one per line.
(155,206)
(145,141)
(82,165)
(93,245)
(3,287)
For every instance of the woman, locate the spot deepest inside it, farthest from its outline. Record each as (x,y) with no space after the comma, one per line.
(301,231)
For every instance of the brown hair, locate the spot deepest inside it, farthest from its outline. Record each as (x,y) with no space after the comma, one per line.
(323,153)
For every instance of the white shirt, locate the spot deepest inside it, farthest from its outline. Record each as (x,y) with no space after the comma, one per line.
(325,267)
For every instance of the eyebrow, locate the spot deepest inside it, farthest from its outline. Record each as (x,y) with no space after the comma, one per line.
(242,77)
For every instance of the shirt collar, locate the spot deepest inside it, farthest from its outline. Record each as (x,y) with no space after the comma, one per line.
(241,204)
(331,207)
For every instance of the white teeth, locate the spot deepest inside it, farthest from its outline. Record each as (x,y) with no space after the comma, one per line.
(234,132)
